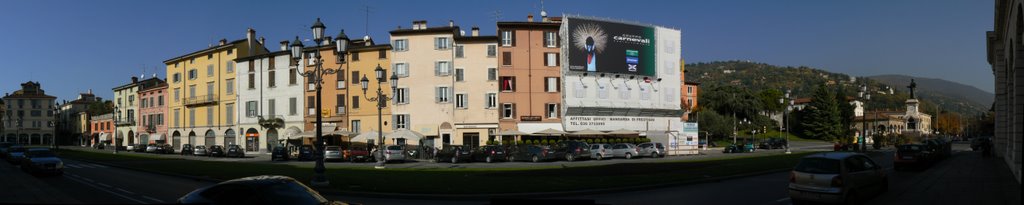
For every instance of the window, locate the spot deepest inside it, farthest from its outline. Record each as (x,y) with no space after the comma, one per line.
(552,111)
(401,121)
(292,76)
(492,74)
(252,80)
(492,50)
(550,59)
(292,109)
(230,115)
(508,84)
(177,95)
(160,100)
(193,74)
(355,102)
(401,45)
(442,95)
(460,75)
(508,110)
(341,79)
(209,70)
(271,104)
(310,84)
(230,86)
(442,68)
(355,56)
(340,100)
(310,105)
(143,103)
(506,58)
(209,56)
(689,89)
(402,96)
(550,39)
(356,126)
(191,61)
(271,81)
(441,43)
(459,51)
(230,68)
(209,90)
(176,77)
(209,115)
(551,84)
(310,59)
(491,100)
(506,38)
(355,77)
(460,101)
(382,54)
(131,100)
(192,117)
(402,69)
(231,51)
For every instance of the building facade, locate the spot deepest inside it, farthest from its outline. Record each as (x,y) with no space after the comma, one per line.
(476,93)
(101,128)
(1004,46)
(152,106)
(30,118)
(689,99)
(271,98)
(529,75)
(364,56)
(202,86)
(72,123)
(126,110)
(423,57)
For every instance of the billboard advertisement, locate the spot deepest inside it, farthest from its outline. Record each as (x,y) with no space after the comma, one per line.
(608,47)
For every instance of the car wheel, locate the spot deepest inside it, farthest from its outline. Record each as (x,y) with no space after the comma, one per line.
(600,157)
(569,157)
(512,158)
(455,160)
(488,159)
(654,155)
(535,159)
(629,156)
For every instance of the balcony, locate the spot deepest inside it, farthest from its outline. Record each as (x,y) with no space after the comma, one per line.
(201,100)
(273,121)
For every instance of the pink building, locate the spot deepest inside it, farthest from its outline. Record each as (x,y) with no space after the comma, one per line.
(152,96)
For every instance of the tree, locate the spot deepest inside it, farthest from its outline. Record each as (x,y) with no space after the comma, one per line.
(823,117)
(769,99)
(948,123)
(100,108)
(846,114)
(717,125)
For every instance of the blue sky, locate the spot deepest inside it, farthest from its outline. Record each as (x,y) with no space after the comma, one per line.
(72,46)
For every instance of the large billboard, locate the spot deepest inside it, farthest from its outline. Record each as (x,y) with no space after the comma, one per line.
(608,47)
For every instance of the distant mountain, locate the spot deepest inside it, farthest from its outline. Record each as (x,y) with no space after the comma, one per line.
(889,92)
(930,87)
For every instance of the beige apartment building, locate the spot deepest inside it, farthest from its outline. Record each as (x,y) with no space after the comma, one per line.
(423,59)
(476,89)
(529,71)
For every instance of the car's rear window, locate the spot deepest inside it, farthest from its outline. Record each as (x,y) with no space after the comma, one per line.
(333,148)
(818,166)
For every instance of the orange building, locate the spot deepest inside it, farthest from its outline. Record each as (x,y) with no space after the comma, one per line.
(529,75)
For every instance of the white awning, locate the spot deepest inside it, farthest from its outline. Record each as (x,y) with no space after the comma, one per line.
(104,136)
(363,137)
(537,127)
(407,135)
(156,137)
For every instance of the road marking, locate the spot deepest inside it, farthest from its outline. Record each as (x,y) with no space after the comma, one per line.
(108,191)
(125,191)
(782,200)
(73,166)
(87,179)
(104,185)
(100,166)
(152,199)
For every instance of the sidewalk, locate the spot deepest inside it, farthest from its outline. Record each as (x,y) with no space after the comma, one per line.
(964,178)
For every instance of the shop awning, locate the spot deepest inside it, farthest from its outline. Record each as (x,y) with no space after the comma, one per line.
(407,134)
(623,132)
(589,132)
(537,127)
(104,136)
(511,133)
(156,137)
(550,131)
(371,135)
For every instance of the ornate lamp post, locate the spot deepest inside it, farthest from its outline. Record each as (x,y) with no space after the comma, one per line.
(745,122)
(117,119)
(785,115)
(56,126)
(864,96)
(317,75)
(382,101)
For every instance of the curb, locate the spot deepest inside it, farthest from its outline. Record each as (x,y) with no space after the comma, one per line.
(333,192)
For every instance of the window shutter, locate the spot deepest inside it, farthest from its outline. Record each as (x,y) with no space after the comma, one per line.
(513,38)
(558,84)
(437,68)
(394,122)
(437,94)
(558,59)
(546,63)
(557,42)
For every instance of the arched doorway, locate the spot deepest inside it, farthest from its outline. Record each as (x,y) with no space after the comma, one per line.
(176,139)
(192,138)
(46,139)
(229,137)
(252,140)
(144,139)
(131,137)
(271,138)
(211,138)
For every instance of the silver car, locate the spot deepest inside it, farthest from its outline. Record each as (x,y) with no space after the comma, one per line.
(332,153)
(652,149)
(15,154)
(151,148)
(42,161)
(200,150)
(391,153)
(836,177)
(625,150)
(600,151)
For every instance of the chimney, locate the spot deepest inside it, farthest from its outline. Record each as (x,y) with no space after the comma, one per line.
(451,23)
(543,16)
(475,31)
(367,41)
(135,79)
(529,18)
(250,35)
(327,40)
(415,25)
(263,41)
(222,42)
(90,90)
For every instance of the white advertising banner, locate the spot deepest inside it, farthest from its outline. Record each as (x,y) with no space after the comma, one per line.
(690,132)
(609,123)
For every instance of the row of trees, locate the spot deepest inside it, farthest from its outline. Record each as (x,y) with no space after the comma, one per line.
(827,117)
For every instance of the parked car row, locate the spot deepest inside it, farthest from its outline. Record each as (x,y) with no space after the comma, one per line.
(921,155)
(836,178)
(564,150)
(211,151)
(32,160)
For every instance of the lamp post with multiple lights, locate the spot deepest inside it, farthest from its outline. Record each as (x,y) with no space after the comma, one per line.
(382,101)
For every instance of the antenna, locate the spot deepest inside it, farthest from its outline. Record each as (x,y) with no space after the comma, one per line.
(496,15)
(366,30)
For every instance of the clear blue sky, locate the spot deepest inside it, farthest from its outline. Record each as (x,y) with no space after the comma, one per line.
(72,46)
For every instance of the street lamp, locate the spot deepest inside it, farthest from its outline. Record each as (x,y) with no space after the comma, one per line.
(864,96)
(117,119)
(785,116)
(317,75)
(56,126)
(382,101)
(743,122)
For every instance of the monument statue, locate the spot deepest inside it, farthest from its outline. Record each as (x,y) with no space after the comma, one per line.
(912,86)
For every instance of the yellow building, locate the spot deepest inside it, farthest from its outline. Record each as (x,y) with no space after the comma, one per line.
(203,89)
(362,59)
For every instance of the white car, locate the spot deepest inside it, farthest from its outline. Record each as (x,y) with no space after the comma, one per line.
(625,150)
(836,177)
(600,151)
(391,153)
(42,161)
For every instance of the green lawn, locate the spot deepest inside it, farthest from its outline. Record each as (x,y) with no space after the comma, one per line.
(465,181)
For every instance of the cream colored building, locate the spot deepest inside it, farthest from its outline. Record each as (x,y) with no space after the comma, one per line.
(476,89)
(423,59)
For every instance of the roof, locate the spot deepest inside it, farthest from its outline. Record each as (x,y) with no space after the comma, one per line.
(477,38)
(182,57)
(691,83)
(20,95)
(528,24)
(152,83)
(410,31)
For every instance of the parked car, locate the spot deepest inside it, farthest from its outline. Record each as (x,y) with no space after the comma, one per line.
(491,153)
(4,146)
(600,151)
(164,149)
(151,148)
(652,149)
(186,149)
(704,143)
(773,143)
(911,155)
(256,190)
(532,153)
(391,153)
(977,143)
(940,148)
(138,148)
(200,150)
(571,150)
(332,153)
(216,151)
(836,177)
(234,151)
(454,154)
(279,153)
(356,154)
(625,150)
(15,154)
(739,148)
(306,153)
(41,161)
